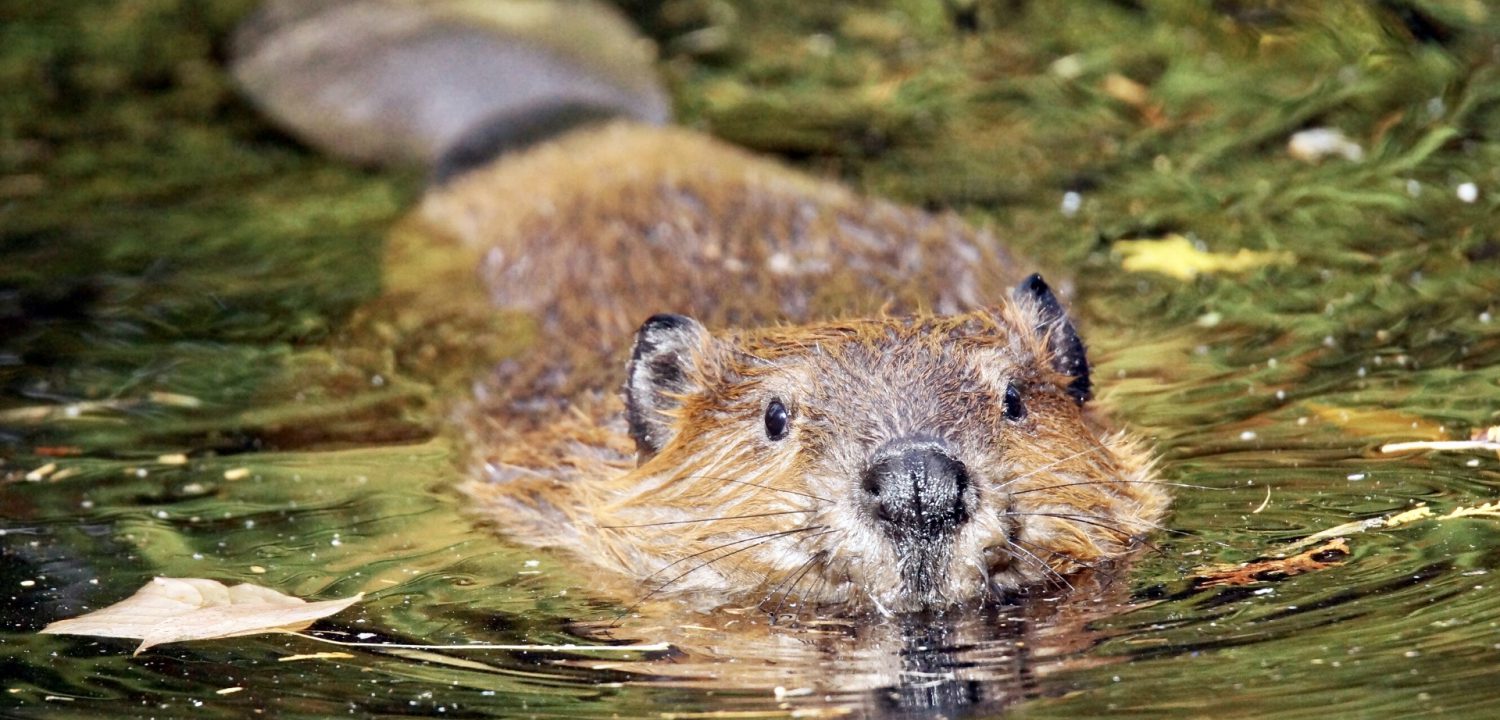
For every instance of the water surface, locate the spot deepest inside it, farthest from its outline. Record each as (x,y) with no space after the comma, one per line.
(178,278)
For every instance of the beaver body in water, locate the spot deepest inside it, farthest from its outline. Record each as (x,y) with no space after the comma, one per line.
(860,404)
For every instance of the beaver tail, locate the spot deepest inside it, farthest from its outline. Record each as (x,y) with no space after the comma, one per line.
(445,84)
(511,131)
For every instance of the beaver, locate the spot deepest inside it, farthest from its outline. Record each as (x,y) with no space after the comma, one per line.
(850,403)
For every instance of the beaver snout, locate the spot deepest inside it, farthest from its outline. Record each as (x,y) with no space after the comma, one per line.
(918,489)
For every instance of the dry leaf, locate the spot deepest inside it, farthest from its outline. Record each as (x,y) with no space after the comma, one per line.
(316,656)
(1354,527)
(1485,439)
(1175,255)
(1420,512)
(1135,95)
(1126,90)
(177,609)
(1377,422)
(1331,552)
(1489,509)
(1328,554)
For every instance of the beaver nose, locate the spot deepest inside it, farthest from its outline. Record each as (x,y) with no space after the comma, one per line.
(919,491)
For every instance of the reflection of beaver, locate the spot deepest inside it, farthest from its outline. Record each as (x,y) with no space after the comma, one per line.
(916,437)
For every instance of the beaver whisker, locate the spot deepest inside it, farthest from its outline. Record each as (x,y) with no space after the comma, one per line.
(784,578)
(1086,520)
(768,537)
(788,594)
(702,520)
(772,535)
(1109,482)
(1101,518)
(751,484)
(801,573)
(1046,569)
(816,591)
(1156,527)
(825,578)
(1071,560)
(1053,464)
(731,553)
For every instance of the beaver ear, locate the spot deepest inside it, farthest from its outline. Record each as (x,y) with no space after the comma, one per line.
(1068,354)
(660,373)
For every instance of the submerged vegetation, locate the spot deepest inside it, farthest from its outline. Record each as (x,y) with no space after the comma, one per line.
(159,237)
(180,283)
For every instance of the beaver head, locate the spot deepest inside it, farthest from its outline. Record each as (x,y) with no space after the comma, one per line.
(902,463)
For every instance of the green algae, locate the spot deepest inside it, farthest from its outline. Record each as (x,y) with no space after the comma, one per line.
(158,236)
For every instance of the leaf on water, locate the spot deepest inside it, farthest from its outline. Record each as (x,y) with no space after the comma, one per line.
(1328,554)
(316,656)
(177,609)
(1489,509)
(1176,256)
(1354,527)
(1135,95)
(1485,439)
(1377,422)
(1420,512)
(1298,557)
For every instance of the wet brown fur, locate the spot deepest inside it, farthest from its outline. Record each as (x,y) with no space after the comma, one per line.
(869,320)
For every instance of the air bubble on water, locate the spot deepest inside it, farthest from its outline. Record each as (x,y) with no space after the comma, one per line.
(1071,203)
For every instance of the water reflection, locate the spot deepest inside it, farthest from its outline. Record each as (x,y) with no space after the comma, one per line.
(967,661)
(953,667)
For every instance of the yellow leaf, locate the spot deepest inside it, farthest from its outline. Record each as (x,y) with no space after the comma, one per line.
(1378,422)
(1420,512)
(1176,256)
(176,609)
(1489,509)
(317,656)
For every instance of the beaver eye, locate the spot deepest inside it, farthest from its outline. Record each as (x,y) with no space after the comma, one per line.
(1014,408)
(776,420)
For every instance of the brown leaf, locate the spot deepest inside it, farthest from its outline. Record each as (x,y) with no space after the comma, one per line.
(177,609)
(1326,555)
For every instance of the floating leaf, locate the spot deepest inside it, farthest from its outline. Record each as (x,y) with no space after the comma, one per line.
(1377,422)
(1175,255)
(1354,527)
(1328,554)
(1489,509)
(1420,512)
(1485,439)
(317,656)
(177,609)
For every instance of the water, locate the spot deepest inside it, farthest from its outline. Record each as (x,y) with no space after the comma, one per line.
(177,278)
